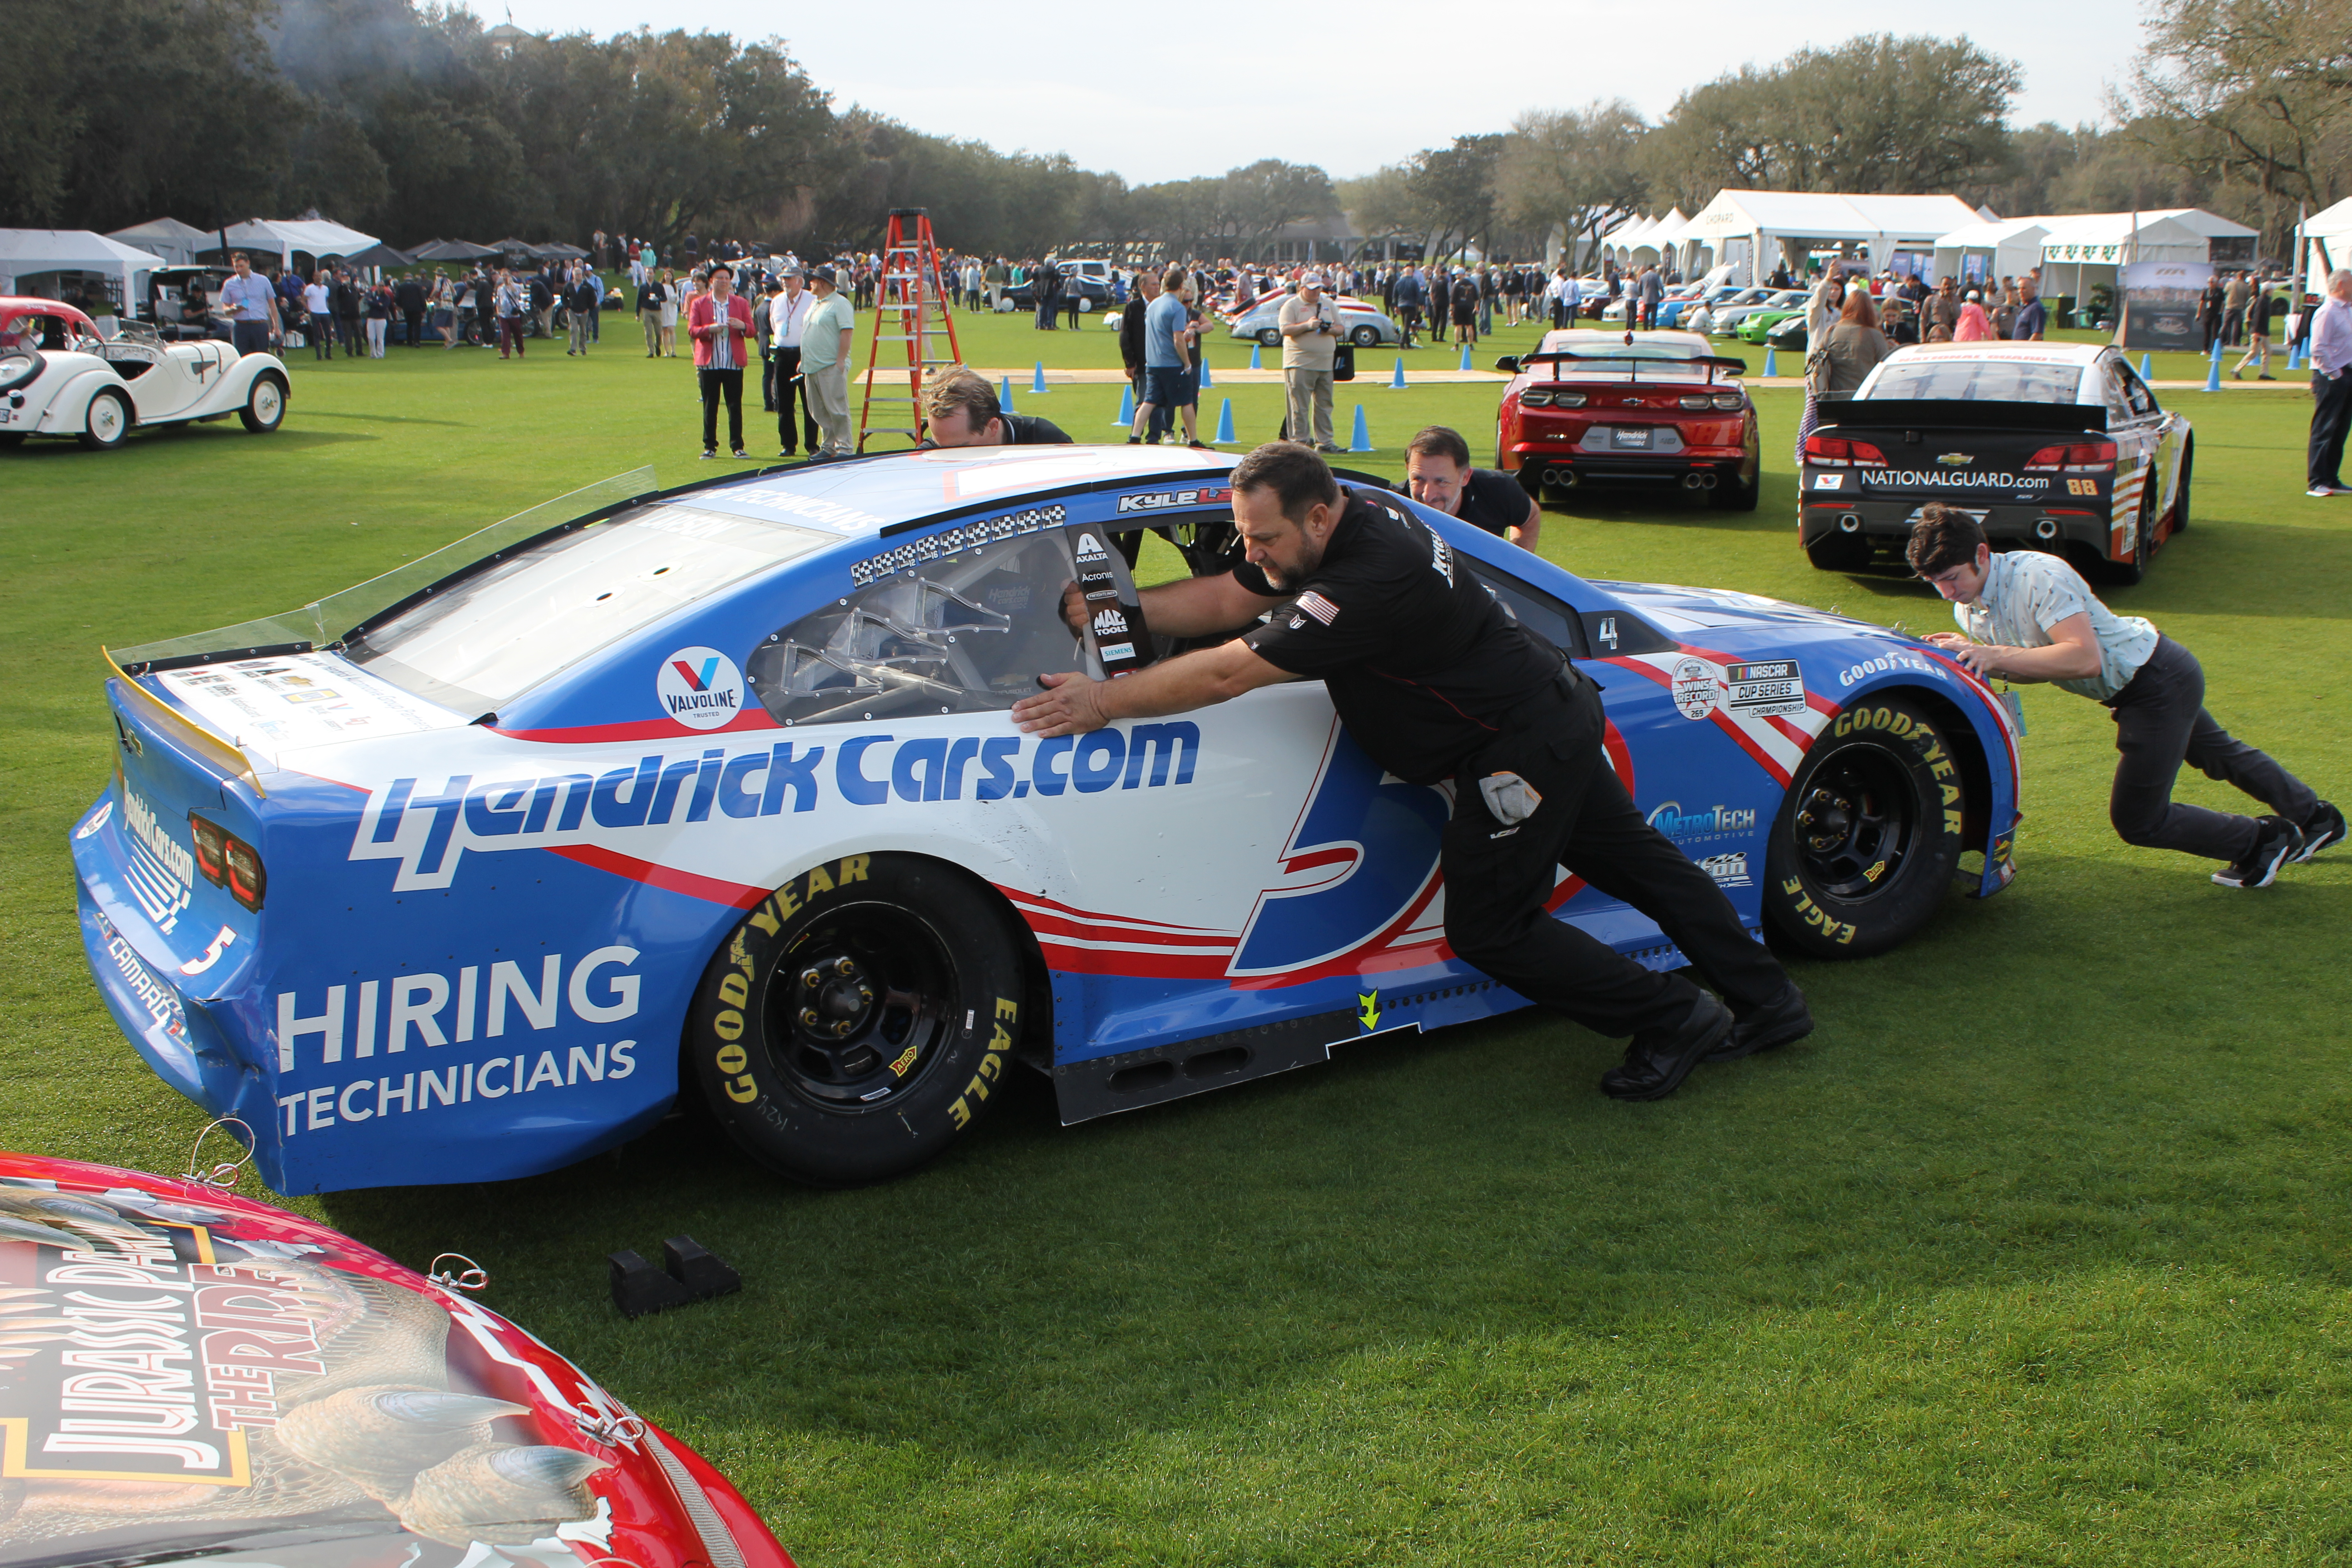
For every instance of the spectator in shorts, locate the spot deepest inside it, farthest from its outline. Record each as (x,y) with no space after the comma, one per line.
(1166,359)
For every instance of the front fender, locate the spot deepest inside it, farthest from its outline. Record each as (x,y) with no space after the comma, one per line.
(1924,674)
(234,383)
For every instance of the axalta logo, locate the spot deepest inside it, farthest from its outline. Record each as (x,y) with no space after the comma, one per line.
(428,830)
(701,688)
(1675,823)
(1157,499)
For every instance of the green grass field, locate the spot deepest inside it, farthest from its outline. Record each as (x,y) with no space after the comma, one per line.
(2035,1253)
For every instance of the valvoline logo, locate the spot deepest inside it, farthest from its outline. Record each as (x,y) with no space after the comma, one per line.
(701,688)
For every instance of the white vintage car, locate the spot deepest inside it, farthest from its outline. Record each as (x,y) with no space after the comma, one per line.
(59,377)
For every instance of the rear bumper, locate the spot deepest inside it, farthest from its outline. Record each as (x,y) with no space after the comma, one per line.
(1887,522)
(1541,462)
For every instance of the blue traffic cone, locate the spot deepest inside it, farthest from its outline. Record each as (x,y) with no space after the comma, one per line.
(1225,423)
(1037,379)
(1396,382)
(2145,373)
(1004,393)
(1206,379)
(1464,365)
(1363,437)
(2213,370)
(1771,363)
(1125,420)
(1254,362)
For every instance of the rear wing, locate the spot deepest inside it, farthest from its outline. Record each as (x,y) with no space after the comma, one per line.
(1515,363)
(1959,413)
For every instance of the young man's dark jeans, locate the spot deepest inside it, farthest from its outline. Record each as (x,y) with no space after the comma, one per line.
(2331,416)
(2161,722)
(718,384)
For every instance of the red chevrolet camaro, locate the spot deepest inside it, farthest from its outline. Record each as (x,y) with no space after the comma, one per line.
(1656,410)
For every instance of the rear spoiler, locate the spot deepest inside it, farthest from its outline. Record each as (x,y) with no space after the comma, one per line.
(1959,413)
(1514,363)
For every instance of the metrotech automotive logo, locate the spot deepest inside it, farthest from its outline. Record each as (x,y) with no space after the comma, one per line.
(701,688)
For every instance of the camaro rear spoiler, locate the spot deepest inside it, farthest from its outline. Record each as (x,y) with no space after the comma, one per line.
(1959,413)
(1515,363)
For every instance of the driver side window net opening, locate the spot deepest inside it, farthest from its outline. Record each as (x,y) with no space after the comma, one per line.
(963,633)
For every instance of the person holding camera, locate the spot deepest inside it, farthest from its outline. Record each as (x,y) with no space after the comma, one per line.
(1311,343)
(2027,617)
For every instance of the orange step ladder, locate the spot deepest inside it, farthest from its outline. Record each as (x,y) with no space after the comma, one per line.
(910,307)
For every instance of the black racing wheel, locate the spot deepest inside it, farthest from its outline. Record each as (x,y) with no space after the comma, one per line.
(859,1019)
(1869,833)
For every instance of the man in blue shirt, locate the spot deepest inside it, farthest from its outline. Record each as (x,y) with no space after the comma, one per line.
(2030,318)
(252,307)
(1167,362)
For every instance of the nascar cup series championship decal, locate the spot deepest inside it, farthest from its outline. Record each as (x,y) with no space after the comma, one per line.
(701,688)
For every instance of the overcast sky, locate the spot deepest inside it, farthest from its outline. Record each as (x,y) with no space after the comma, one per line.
(1154,92)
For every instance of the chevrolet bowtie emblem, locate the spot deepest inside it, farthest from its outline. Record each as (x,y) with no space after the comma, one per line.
(1956,458)
(1631,402)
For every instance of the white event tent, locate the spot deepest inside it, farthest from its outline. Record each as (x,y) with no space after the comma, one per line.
(2011,247)
(2082,251)
(286,237)
(168,238)
(2328,232)
(1741,228)
(1641,241)
(30,254)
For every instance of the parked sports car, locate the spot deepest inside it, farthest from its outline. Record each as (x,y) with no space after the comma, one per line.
(1757,324)
(60,377)
(1607,409)
(188,1377)
(1730,317)
(1089,280)
(466,874)
(1367,325)
(2051,446)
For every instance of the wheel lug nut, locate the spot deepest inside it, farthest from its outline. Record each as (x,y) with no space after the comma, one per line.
(811,978)
(841,1027)
(845,967)
(808,1017)
(864,995)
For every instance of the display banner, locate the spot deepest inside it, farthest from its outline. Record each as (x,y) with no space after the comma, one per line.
(2160,304)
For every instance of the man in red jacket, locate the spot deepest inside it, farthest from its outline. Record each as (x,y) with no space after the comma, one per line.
(719,322)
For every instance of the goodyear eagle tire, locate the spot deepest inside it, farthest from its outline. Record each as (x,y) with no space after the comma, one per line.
(859,1020)
(1868,834)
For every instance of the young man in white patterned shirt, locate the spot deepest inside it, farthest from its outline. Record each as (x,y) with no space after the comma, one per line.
(2028,616)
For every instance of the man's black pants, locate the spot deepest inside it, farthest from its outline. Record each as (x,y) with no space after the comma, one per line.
(2331,416)
(415,322)
(788,386)
(2161,722)
(718,384)
(768,379)
(1498,878)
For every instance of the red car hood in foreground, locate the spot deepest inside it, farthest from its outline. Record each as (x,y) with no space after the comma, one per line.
(185,1374)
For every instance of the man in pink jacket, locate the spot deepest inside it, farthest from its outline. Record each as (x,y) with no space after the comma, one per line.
(719,322)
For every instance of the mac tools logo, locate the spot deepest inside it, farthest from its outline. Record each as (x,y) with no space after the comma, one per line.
(701,688)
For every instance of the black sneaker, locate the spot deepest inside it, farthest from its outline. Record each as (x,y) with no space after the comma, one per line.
(1775,1023)
(2323,827)
(741,455)
(1657,1061)
(2278,842)
(708,455)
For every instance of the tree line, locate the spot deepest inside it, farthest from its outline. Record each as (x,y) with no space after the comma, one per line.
(414,121)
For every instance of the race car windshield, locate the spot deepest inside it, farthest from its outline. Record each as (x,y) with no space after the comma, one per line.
(491,636)
(1978,380)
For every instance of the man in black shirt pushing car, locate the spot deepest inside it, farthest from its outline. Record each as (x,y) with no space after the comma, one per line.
(1434,680)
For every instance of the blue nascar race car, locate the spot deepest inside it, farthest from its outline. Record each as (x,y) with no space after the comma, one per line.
(467,873)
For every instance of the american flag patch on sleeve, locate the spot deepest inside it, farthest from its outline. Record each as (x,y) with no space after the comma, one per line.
(1316,605)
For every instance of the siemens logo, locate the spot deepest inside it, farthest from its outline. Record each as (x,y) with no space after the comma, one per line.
(428,830)
(1674,822)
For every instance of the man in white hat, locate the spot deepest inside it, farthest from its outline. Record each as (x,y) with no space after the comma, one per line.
(1311,340)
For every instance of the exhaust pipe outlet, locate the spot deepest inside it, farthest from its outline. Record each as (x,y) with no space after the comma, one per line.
(1707,482)
(1692,481)
(1850,523)
(2046,530)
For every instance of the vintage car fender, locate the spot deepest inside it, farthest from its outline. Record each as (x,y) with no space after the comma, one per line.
(235,384)
(76,378)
